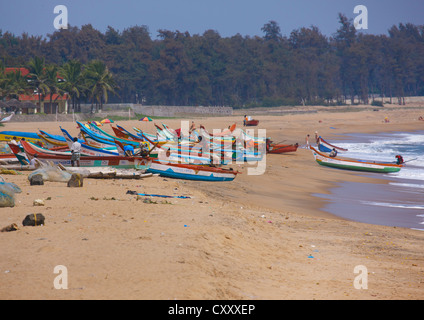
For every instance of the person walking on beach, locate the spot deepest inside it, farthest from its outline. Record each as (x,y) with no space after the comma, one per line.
(76,152)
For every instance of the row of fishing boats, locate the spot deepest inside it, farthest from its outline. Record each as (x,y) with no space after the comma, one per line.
(324,157)
(197,155)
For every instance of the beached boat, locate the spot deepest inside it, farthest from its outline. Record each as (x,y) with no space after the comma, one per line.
(191,172)
(8,158)
(355,165)
(19,154)
(278,148)
(8,136)
(88,161)
(251,123)
(324,146)
(88,150)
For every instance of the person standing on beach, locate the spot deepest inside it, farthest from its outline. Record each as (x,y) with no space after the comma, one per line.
(307,141)
(76,152)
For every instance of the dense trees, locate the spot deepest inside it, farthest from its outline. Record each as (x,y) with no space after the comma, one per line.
(182,69)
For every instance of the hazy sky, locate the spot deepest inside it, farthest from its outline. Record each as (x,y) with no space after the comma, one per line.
(228,17)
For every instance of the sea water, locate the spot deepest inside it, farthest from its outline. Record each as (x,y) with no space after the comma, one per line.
(399,201)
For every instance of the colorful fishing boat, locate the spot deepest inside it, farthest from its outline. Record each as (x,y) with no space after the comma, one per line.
(278,148)
(324,146)
(9,135)
(88,150)
(89,161)
(19,154)
(355,165)
(191,172)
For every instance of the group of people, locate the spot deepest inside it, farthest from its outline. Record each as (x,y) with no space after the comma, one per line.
(307,139)
(130,152)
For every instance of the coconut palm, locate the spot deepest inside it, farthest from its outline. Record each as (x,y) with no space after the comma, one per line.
(73,81)
(37,77)
(52,82)
(100,83)
(2,79)
(14,84)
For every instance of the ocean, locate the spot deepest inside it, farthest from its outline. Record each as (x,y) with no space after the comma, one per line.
(397,203)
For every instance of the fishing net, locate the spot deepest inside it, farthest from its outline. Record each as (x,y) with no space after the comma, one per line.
(50,172)
(7,193)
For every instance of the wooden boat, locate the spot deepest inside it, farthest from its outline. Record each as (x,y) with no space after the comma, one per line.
(355,165)
(8,158)
(8,136)
(89,161)
(7,119)
(191,172)
(251,123)
(50,143)
(278,148)
(88,150)
(324,146)
(19,154)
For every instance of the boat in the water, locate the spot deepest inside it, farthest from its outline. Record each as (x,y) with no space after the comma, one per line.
(355,165)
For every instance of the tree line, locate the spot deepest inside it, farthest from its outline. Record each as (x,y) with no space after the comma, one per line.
(177,68)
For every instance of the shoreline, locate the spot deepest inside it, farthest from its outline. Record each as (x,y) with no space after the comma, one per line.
(255,238)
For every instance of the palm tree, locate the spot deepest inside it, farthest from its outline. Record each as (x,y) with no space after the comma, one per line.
(14,84)
(99,82)
(52,82)
(37,77)
(2,79)
(73,81)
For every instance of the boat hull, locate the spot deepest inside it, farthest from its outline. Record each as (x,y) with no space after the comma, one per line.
(282,148)
(251,123)
(89,161)
(355,165)
(191,172)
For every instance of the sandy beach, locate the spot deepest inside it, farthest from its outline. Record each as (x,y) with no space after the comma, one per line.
(259,237)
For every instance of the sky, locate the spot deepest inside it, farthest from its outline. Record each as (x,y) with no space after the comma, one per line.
(227,17)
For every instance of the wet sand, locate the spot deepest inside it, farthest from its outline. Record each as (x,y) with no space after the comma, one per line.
(260,237)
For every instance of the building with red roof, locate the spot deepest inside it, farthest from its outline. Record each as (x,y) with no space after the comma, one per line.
(32,104)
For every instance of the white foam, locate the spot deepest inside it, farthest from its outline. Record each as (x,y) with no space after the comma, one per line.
(408,185)
(394,205)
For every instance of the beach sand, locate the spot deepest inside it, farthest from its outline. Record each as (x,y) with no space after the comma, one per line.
(259,237)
